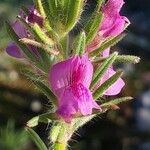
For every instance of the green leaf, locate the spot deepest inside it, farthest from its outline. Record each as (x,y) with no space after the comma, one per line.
(103,68)
(65,46)
(33,76)
(46,59)
(42,87)
(53,8)
(80,44)
(106,44)
(45,90)
(99,92)
(36,139)
(99,5)
(93,26)
(35,121)
(38,32)
(79,122)
(74,9)
(44,118)
(120,59)
(115,102)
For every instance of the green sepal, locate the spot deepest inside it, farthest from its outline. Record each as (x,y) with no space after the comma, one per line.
(80,44)
(103,68)
(128,59)
(55,132)
(36,139)
(116,101)
(120,59)
(39,7)
(92,27)
(99,92)
(106,44)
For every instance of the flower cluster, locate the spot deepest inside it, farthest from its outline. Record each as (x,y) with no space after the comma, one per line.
(70,78)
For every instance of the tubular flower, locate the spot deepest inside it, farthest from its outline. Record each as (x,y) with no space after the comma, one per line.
(12,49)
(70,81)
(112,25)
(118,85)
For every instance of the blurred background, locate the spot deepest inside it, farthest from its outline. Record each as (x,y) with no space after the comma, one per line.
(125,129)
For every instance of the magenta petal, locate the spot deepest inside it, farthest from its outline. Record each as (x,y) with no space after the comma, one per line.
(76,98)
(67,105)
(19,29)
(86,102)
(116,87)
(113,6)
(14,51)
(72,71)
(86,71)
(70,80)
(60,75)
(115,29)
(106,53)
(113,23)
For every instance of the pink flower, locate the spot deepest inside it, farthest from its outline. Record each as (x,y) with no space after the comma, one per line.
(113,23)
(118,85)
(12,49)
(70,81)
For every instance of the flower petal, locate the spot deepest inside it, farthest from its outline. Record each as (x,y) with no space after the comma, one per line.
(113,6)
(116,87)
(76,99)
(106,53)
(19,29)
(14,51)
(72,71)
(113,23)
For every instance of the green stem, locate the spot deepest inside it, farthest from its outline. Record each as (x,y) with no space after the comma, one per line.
(59,136)
(60,146)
